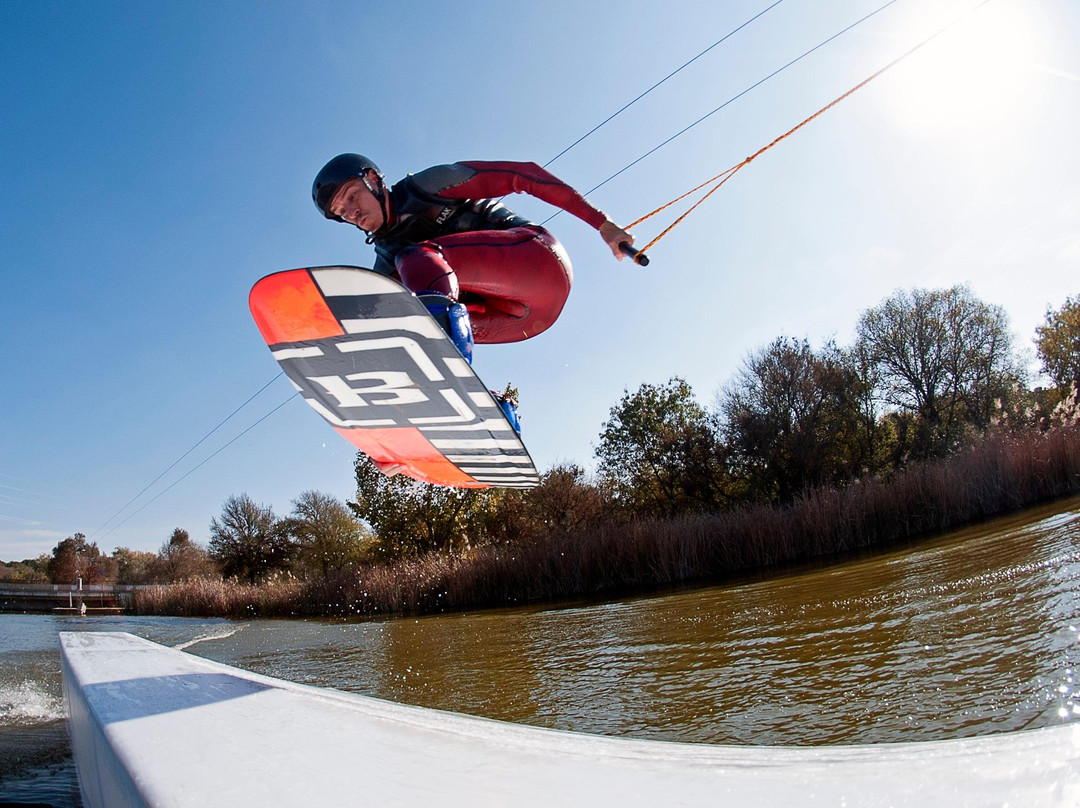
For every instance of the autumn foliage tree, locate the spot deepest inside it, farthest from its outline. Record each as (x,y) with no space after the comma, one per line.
(134,566)
(943,357)
(410,518)
(181,559)
(328,537)
(248,541)
(76,559)
(566,500)
(792,420)
(1057,341)
(659,454)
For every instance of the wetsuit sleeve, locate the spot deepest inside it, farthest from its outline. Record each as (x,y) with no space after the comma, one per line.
(488,180)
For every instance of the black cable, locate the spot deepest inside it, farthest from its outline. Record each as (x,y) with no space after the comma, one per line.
(204,462)
(729,101)
(668,76)
(177,461)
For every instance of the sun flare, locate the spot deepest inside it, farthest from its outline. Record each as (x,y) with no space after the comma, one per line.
(972,78)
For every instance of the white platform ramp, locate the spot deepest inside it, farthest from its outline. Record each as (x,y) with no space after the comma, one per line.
(153,726)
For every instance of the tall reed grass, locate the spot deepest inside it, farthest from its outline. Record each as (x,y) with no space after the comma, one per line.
(1002,473)
(213,597)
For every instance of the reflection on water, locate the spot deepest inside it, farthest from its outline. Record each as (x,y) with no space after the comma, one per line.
(971,634)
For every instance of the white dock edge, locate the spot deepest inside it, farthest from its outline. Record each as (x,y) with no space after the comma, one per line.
(153,726)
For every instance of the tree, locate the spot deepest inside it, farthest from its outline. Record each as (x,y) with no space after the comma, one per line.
(876,443)
(792,420)
(249,541)
(659,453)
(30,570)
(180,559)
(75,558)
(134,566)
(410,517)
(328,537)
(1058,344)
(563,501)
(943,356)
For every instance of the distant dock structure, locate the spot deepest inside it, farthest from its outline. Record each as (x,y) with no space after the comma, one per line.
(86,599)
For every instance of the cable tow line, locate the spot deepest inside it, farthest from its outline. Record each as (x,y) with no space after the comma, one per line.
(176,462)
(640,256)
(200,465)
(670,75)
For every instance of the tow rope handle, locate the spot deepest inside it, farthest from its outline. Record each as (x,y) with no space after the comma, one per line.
(639,257)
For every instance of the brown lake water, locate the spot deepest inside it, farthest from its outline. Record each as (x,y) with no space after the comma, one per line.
(974,633)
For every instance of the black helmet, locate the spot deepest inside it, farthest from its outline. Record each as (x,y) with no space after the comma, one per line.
(334,174)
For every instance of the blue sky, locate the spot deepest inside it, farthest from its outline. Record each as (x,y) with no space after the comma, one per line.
(157,161)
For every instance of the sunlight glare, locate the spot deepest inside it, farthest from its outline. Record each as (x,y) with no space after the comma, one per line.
(973,78)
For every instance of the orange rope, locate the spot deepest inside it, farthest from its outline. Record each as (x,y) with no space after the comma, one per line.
(723,177)
(678,199)
(729,174)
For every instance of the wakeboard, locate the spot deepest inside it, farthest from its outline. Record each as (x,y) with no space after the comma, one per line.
(367,356)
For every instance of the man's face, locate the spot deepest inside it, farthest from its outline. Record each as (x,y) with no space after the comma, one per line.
(357,205)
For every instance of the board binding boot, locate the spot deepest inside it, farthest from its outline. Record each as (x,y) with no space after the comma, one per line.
(453,318)
(508,404)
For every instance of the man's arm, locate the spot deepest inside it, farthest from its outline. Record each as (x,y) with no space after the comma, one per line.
(475,179)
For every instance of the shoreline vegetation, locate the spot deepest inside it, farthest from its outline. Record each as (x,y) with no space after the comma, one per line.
(1000,473)
(807,456)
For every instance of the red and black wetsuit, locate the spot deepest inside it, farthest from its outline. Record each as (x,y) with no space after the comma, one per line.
(446,232)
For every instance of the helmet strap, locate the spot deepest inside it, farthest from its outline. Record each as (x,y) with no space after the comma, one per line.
(379,192)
